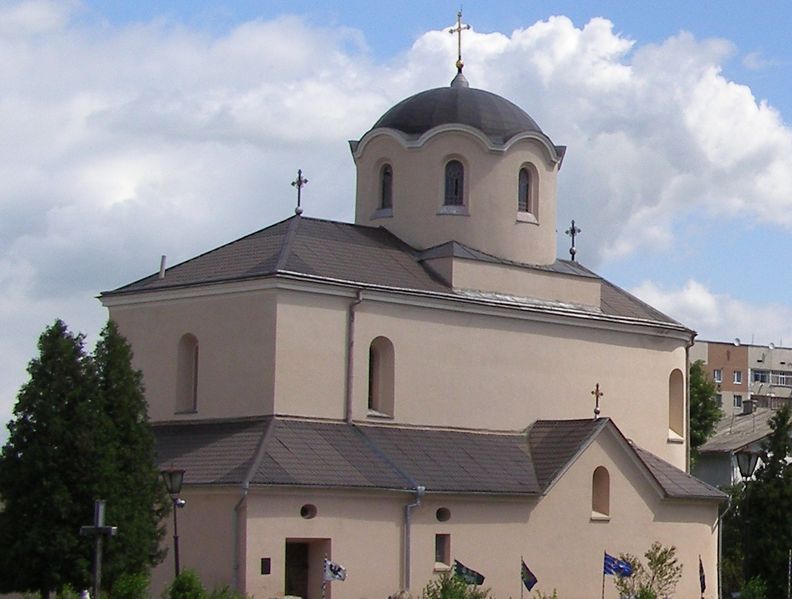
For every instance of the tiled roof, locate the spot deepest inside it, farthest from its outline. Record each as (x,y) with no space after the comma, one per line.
(278,451)
(735,431)
(676,483)
(353,254)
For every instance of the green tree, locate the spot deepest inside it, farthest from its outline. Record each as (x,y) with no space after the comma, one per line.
(130,482)
(704,409)
(765,518)
(658,578)
(45,470)
(79,433)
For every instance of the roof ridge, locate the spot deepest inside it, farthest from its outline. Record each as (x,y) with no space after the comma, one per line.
(288,239)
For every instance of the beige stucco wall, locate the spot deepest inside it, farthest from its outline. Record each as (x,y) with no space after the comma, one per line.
(490,184)
(521,282)
(363,531)
(456,364)
(488,371)
(236,340)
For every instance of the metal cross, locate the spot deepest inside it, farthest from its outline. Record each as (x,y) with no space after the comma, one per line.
(98,530)
(299,183)
(597,394)
(572,232)
(458,30)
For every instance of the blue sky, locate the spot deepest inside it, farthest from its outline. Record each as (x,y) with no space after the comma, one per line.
(134,129)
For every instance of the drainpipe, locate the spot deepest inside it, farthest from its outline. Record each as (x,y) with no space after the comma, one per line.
(350,354)
(420,491)
(237,523)
(687,403)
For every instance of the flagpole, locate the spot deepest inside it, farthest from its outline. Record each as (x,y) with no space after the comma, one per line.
(603,574)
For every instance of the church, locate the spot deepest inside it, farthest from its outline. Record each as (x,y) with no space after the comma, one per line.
(428,384)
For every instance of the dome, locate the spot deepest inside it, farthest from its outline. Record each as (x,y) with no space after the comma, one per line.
(496,117)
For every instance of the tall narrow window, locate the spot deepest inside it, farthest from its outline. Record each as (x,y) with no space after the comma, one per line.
(442,550)
(524,203)
(600,493)
(381,377)
(187,374)
(454,184)
(676,403)
(386,187)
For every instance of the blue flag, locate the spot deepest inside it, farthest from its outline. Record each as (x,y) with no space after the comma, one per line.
(616,566)
(528,577)
(469,575)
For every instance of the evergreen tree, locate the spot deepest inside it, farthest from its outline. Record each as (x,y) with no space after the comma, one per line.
(46,470)
(136,498)
(766,521)
(704,409)
(80,432)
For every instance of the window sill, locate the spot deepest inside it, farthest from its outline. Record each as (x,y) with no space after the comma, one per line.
(675,438)
(380,415)
(597,517)
(527,217)
(453,210)
(441,567)
(184,412)
(382,213)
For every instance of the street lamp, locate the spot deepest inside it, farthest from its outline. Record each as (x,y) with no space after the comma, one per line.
(746,462)
(174,477)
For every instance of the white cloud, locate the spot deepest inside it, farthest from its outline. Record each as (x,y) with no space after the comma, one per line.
(718,316)
(121,144)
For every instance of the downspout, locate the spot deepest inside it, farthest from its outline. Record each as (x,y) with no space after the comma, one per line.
(254,465)
(420,491)
(350,361)
(237,523)
(687,402)
(720,546)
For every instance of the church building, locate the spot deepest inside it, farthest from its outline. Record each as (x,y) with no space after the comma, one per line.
(427,384)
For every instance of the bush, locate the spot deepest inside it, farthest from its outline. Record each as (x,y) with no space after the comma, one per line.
(186,585)
(130,586)
(754,589)
(541,595)
(448,586)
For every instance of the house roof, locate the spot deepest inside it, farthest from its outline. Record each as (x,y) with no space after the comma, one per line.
(735,431)
(277,451)
(350,254)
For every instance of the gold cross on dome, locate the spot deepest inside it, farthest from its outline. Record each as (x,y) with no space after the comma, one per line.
(597,394)
(458,30)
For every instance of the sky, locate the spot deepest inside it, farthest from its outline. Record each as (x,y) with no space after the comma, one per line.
(131,130)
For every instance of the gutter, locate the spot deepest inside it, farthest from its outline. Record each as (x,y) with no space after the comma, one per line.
(350,354)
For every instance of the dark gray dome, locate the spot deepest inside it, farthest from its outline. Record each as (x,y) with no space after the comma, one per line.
(496,117)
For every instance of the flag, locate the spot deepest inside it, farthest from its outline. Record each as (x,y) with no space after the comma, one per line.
(333,571)
(528,577)
(466,574)
(616,567)
(702,578)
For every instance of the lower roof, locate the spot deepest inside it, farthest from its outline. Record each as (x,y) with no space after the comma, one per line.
(282,452)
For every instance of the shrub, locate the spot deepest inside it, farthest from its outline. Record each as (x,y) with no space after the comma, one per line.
(130,586)
(186,585)
(754,589)
(448,586)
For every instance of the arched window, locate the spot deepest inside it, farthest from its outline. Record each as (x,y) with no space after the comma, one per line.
(676,403)
(525,188)
(386,187)
(454,184)
(381,376)
(600,492)
(528,194)
(187,374)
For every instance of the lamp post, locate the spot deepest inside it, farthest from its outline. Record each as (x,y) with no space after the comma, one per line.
(746,462)
(174,477)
